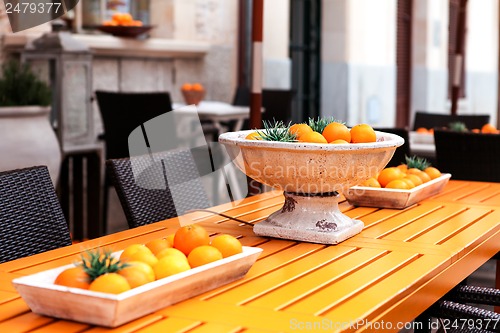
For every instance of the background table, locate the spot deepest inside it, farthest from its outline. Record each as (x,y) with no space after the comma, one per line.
(220,112)
(401,263)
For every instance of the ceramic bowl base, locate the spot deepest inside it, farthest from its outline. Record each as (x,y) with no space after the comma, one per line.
(310,218)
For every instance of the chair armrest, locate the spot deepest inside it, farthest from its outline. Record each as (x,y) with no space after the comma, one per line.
(484,320)
(474,294)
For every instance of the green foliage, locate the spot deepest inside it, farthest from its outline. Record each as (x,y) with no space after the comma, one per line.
(100,261)
(319,124)
(19,86)
(417,162)
(458,127)
(276,131)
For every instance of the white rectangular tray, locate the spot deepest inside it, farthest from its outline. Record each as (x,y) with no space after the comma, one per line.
(46,298)
(395,198)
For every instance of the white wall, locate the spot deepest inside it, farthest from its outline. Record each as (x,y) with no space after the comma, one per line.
(277,63)
(358,61)
(482,58)
(429,57)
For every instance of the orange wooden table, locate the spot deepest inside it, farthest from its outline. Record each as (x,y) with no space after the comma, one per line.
(379,280)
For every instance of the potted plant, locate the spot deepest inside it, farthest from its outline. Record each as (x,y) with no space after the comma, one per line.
(26,135)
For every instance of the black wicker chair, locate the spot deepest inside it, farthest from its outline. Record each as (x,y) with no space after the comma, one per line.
(31,218)
(159,186)
(469,156)
(460,314)
(439,120)
(121,113)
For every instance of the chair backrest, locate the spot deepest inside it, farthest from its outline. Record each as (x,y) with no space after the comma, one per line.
(401,151)
(468,156)
(242,96)
(438,120)
(122,112)
(155,187)
(277,104)
(31,218)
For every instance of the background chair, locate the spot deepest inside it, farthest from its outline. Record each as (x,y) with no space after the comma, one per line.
(277,104)
(241,96)
(468,156)
(401,151)
(31,218)
(433,120)
(121,113)
(168,185)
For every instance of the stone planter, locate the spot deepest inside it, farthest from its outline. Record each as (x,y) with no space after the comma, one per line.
(27,139)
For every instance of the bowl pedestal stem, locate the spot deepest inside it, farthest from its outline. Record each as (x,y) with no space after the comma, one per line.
(310,218)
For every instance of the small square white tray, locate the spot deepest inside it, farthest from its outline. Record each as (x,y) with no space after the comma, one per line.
(395,198)
(45,298)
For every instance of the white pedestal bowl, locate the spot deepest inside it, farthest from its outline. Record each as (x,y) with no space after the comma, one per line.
(311,176)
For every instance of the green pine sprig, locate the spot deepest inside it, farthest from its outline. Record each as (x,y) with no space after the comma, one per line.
(276,131)
(319,124)
(100,261)
(417,162)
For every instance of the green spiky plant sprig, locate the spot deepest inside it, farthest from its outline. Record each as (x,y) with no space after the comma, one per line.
(319,124)
(417,162)
(276,131)
(98,261)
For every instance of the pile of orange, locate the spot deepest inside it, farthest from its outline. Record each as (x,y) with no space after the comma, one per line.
(189,247)
(402,178)
(486,129)
(193,92)
(122,19)
(423,130)
(334,133)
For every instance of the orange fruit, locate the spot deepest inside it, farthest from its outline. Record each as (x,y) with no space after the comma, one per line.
(363,133)
(422,130)
(339,142)
(187,86)
(137,273)
(312,137)
(170,252)
(432,172)
(475,130)
(300,129)
(371,182)
(170,239)
(190,236)
(414,179)
(403,168)
(488,128)
(227,245)
(423,176)
(413,171)
(73,277)
(398,184)
(253,136)
(138,252)
(389,174)
(170,265)
(112,283)
(156,245)
(197,87)
(202,255)
(408,182)
(336,131)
